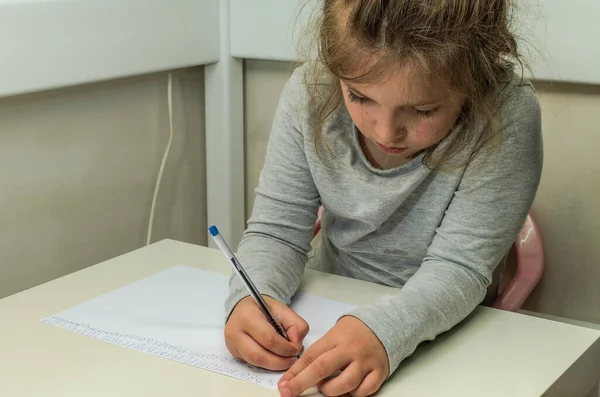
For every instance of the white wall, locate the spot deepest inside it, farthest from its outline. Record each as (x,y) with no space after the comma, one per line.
(78,168)
(568,201)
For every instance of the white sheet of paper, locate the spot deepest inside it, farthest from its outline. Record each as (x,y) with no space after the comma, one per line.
(179,314)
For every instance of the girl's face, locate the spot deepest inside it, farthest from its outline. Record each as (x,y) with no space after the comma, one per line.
(402,115)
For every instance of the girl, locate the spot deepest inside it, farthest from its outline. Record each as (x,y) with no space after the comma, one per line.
(424,149)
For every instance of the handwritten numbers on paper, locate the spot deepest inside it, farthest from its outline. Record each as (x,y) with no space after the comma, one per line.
(213,362)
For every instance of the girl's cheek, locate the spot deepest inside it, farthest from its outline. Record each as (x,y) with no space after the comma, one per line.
(425,137)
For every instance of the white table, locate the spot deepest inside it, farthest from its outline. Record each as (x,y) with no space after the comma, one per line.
(494,353)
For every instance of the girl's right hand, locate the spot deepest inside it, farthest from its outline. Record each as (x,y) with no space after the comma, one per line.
(251,338)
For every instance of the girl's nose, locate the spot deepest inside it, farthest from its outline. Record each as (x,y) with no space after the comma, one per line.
(390,133)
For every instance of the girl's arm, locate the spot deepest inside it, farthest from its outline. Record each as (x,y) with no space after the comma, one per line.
(480,224)
(275,244)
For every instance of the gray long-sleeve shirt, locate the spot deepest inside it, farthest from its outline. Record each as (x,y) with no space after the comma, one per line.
(437,235)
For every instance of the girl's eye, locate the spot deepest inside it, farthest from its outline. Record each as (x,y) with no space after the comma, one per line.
(357,99)
(426,113)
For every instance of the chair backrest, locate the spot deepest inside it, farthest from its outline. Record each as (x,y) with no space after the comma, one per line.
(318,224)
(527,261)
(524,266)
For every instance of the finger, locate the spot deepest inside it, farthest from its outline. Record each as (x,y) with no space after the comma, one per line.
(370,384)
(231,343)
(317,349)
(236,353)
(295,326)
(296,333)
(324,366)
(253,353)
(348,380)
(266,336)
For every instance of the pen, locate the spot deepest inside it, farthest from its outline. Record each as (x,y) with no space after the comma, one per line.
(237,267)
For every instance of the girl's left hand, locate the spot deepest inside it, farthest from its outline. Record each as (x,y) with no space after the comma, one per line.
(350,346)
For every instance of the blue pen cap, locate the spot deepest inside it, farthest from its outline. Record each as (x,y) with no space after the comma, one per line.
(213,230)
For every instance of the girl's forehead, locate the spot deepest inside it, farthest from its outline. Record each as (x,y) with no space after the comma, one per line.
(397,94)
(403,78)
(403,86)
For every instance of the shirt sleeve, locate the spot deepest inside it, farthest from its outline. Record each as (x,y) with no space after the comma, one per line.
(277,239)
(480,224)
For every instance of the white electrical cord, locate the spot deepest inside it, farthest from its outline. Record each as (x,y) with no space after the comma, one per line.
(164,160)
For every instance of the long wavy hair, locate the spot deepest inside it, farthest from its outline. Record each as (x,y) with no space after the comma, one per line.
(467,46)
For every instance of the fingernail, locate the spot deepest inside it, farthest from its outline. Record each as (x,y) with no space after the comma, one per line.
(285,393)
(283,384)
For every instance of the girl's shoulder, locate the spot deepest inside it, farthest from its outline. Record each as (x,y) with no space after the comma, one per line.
(515,112)
(309,87)
(311,99)
(517,133)
(514,130)
(517,102)
(520,116)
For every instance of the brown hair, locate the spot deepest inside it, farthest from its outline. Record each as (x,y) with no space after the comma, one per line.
(466,45)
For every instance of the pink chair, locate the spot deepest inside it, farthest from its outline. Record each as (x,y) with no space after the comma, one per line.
(523,269)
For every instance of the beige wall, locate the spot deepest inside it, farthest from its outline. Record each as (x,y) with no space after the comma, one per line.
(568,202)
(264,81)
(78,168)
